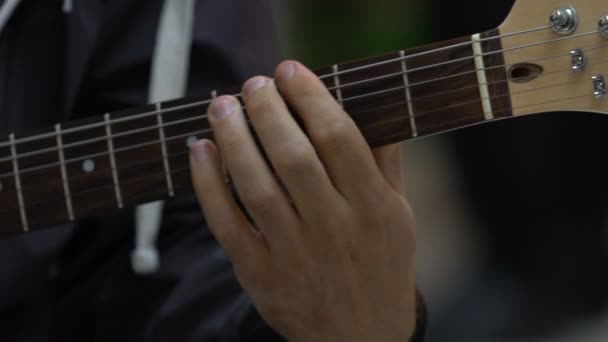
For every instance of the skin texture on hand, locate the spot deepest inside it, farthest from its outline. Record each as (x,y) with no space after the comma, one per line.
(330,255)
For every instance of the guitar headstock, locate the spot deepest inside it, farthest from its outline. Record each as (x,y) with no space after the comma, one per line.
(556,54)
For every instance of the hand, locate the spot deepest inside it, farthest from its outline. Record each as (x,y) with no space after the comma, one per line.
(329,256)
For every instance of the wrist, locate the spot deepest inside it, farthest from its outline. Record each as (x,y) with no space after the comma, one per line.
(415,332)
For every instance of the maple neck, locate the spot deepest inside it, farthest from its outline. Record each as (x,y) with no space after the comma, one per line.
(139,155)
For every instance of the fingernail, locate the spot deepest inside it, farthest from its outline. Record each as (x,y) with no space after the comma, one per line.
(201,150)
(254,84)
(286,70)
(222,108)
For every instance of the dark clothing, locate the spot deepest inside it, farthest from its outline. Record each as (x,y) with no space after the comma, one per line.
(74,283)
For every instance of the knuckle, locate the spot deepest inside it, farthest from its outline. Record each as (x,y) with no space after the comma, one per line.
(334,135)
(261,201)
(294,156)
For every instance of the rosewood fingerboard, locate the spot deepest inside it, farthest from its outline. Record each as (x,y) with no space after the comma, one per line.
(118,160)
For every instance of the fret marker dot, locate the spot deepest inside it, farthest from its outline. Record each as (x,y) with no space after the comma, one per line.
(88,166)
(191,140)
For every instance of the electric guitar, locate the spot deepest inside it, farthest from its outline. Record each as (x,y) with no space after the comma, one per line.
(548,55)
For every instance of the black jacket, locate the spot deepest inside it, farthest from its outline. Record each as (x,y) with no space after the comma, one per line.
(74,283)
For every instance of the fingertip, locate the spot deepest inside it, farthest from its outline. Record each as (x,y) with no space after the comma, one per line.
(222,107)
(286,70)
(202,151)
(254,84)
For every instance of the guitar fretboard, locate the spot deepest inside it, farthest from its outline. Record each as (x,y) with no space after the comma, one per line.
(117,160)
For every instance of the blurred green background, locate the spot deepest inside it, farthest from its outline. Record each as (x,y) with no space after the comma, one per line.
(325,32)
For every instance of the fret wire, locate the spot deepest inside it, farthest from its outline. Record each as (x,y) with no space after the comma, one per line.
(353,114)
(351,98)
(337,87)
(64,173)
(104,187)
(177,122)
(443,78)
(408,95)
(470,102)
(113,121)
(367,127)
(424,53)
(163,146)
(473,86)
(17,175)
(101,154)
(484,121)
(464,59)
(130,182)
(149,113)
(181,121)
(377,78)
(115,179)
(98,139)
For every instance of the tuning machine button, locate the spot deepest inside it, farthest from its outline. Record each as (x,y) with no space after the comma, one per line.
(564,20)
(599,87)
(578,60)
(603,26)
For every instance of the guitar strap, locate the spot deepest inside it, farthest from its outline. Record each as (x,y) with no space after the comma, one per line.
(168,80)
(7,7)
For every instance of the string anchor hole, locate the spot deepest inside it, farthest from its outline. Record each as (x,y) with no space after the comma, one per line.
(524,72)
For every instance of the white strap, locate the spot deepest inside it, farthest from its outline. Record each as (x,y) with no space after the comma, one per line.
(6,11)
(168,80)
(67,6)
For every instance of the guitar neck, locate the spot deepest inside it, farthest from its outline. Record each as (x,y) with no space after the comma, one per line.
(81,168)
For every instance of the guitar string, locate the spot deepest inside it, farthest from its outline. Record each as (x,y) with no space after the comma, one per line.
(578,97)
(187,135)
(424,53)
(203,116)
(401,73)
(178,170)
(401,103)
(198,117)
(367,127)
(462,59)
(198,103)
(416,116)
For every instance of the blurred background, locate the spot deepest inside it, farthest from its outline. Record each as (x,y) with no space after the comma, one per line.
(512,216)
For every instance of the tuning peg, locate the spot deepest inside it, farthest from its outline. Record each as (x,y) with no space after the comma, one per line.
(603,26)
(564,20)
(599,87)
(578,60)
